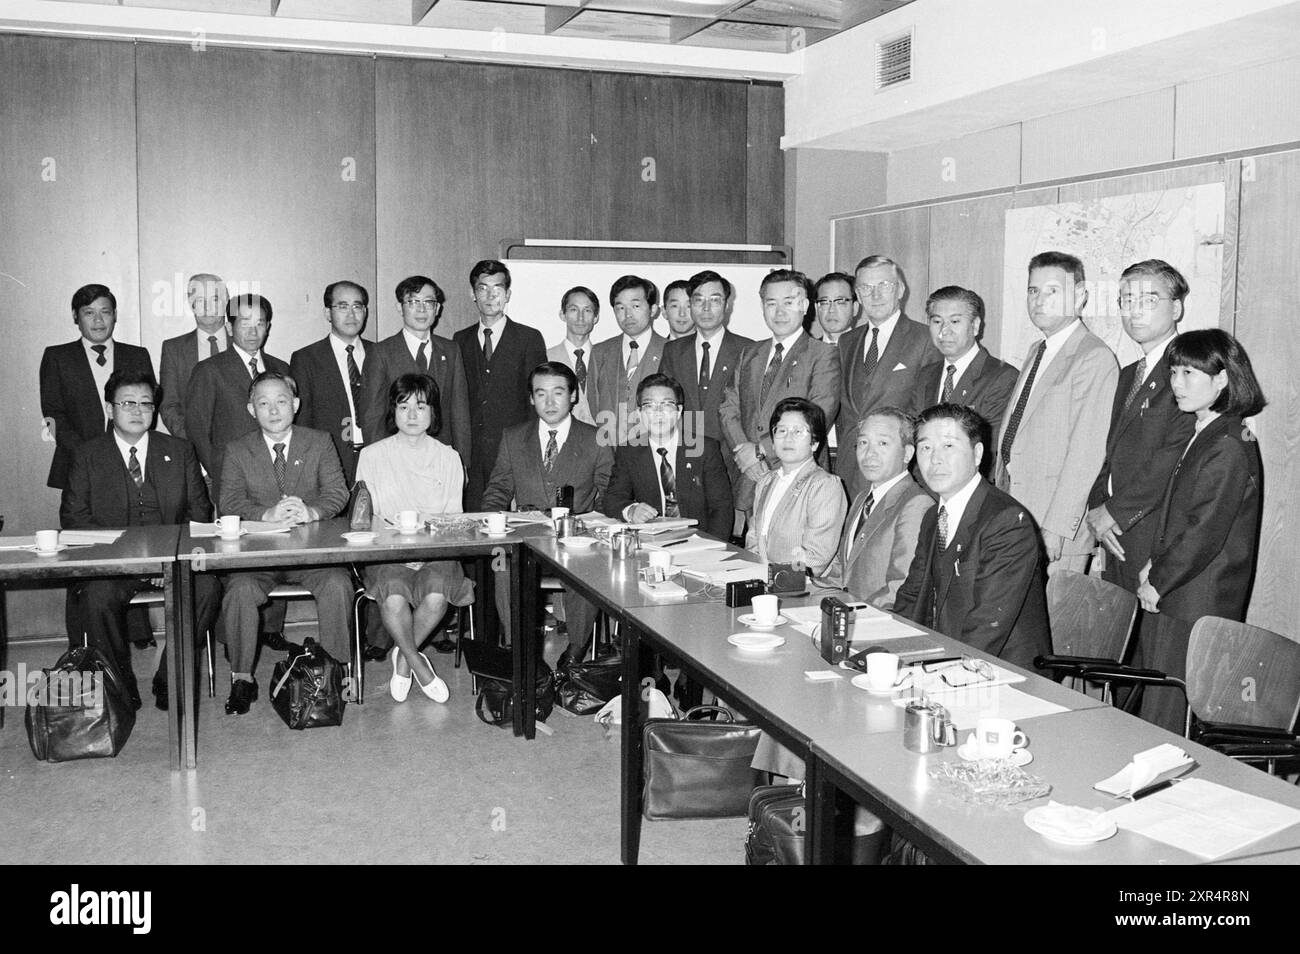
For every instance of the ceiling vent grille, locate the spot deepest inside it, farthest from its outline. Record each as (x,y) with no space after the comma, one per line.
(894,60)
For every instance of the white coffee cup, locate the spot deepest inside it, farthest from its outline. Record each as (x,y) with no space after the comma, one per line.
(998,738)
(663,560)
(496,523)
(766,608)
(228,527)
(47,540)
(882,671)
(408,520)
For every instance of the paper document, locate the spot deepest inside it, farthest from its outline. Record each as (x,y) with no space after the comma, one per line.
(200,530)
(731,574)
(689,544)
(704,561)
(89,537)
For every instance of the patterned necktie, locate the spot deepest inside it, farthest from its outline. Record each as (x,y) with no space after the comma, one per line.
(354,374)
(866,512)
(1139,378)
(872,356)
(705,371)
(552,449)
(133,467)
(99,350)
(213,350)
(580,369)
(947,385)
(487,345)
(633,358)
(769,375)
(422,358)
(1013,424)
(669,485)
(279,466)
(252,365)
(943,528)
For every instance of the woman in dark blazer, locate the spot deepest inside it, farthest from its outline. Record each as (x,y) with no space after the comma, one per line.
(1207,533)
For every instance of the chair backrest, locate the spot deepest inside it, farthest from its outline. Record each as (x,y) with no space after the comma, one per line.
(1089,616)
(1241,674)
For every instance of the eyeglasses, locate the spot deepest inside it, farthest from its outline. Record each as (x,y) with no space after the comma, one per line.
(872,288)
(969,664)
(790,430)
(659,407)
(349,306)
(418,304)
(134,405)
(1146,300)
(713,301)
(837,302)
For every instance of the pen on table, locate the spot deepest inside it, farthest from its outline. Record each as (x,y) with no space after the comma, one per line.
(1152,789)
(929,663)
(674,543)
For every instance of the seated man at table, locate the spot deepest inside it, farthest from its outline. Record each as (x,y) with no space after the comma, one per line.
(879,538)
(131,477)
(538,457)
(285,474)
(661,476)
(978,571)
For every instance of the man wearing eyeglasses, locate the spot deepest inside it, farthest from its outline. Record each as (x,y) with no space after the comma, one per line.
(415,348)
(837,309)
(132,477)
(881,358)
(207,297)
(1148,433)
(331,374)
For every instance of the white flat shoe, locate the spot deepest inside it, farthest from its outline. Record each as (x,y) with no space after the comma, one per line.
(398,686)
(437,689)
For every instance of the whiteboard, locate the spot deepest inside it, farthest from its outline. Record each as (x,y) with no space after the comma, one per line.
(536,287)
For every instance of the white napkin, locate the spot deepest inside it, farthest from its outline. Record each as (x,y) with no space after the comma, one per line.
(1145,768)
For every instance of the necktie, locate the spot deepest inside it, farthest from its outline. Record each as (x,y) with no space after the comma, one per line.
(279,466)
(133,467)
(1139,378)
(866,512)
(705,370)
(633,358)
(669,485)
(1013,424)
(769,375)
(252,365)
(552,449)
(213,350)
(354,374)
(872,356)
(99,351)
(422,357)
(947,385)
(943,528)
(580,369)
(487,345)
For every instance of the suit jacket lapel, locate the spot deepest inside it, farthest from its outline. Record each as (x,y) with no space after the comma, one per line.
(1054,372)
(965,385)
(961,537)
(1157,382)
(160,472)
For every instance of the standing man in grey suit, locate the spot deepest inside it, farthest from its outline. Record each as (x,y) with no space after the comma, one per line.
(618,364)
(539,456)
(283,473)
(415,348)
(1053,437)
(881,358)
(207,297)
(884,521)
(789,364)
(331,372)
(579,310)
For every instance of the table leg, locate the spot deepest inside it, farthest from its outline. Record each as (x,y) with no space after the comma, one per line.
(523,638)
(630,779)
(178,597)
(819,812)
(4,652)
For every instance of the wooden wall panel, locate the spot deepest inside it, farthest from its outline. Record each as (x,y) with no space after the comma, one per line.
(471,155)
(765,168)
(68,205)
(902,235)
(259,167)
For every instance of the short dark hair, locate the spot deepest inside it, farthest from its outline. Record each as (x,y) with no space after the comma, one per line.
(784,275)
(411,286)
(88,294)
(875,261)
(556,369)
(273,376)
(580,290)
(812,414)
(488,266)
(829,277)
(1211,350)
(416,385)
(127,377)
(661,380)
(329,292)
(970,421)
(1171,277)
(706,276)
(906,423)
(964,295)
(681,284)
(625,282)
(248,301)
(1062,260)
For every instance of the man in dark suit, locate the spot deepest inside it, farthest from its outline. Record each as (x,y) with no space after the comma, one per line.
(537,457)
(677,309)
(618,364)
(978,571)
(130,477)
(880,358)
(207,297)
(290,474)
(665,475)
(968,374)
(415,348)
(330,374)
(73,377)
(498,354)
(216,410)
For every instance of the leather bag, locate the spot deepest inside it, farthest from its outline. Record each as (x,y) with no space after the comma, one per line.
(492,670)
(79,709)
(698,769)
(307,687)
(584,688)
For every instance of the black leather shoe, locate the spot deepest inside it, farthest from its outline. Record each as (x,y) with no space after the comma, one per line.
(242,695)
(160,694)
(443,645)
(374,653)
(275,641)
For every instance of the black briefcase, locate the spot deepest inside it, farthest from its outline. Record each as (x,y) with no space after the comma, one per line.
(307,687)
(698,769)
(79,709)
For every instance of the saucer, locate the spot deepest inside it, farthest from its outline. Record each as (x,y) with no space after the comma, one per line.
(861,682)
(494,534)
(359,537)
(1040,820)
(748,619)
(970,752)
(45,553)
(756,642)
(577,543)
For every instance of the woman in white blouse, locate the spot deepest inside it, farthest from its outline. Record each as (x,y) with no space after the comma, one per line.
(412,471)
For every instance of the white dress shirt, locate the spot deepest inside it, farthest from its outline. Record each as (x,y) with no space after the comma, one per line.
(203,347)
(955,506)
(339,347)
(878,492)
(885,331)
(1055,342)
(497,330)
(270,445)
(642,342)
(780,486)
(561,434)
(714,344)
(141,450)
(101,375)
(959,366)
(245,357)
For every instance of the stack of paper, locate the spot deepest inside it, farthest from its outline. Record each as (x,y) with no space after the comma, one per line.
(74,538)
(735,572)
(692,544)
